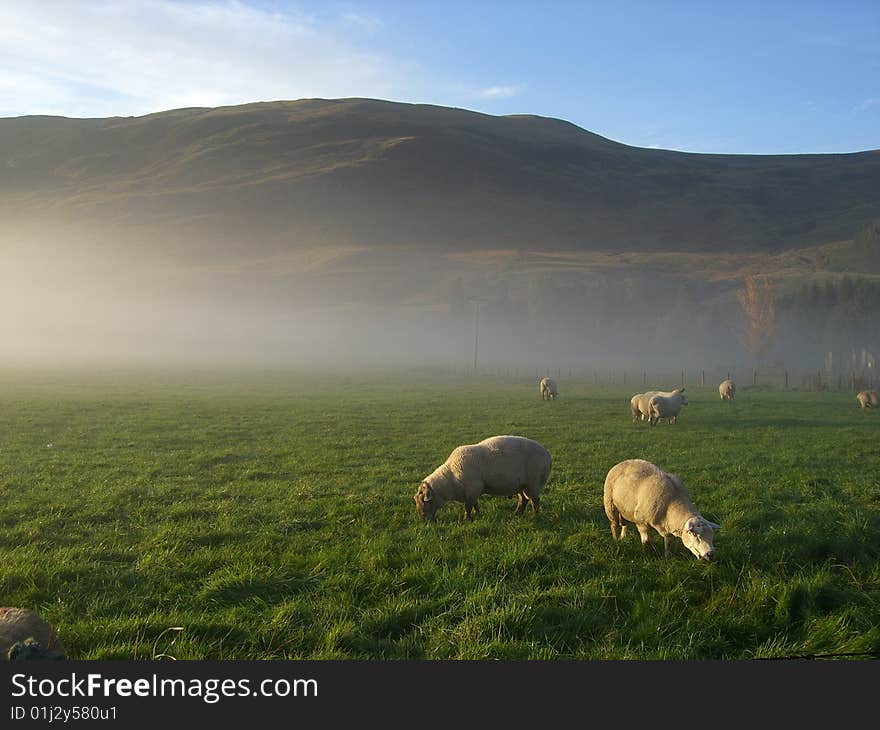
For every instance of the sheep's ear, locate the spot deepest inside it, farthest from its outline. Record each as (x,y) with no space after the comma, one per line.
(713,525)
(425,490)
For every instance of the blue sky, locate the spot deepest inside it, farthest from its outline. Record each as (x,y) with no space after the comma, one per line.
(711,76)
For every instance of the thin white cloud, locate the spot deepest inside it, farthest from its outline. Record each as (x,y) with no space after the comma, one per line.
(104,57)
(500,92)
(863,106)
(368,22)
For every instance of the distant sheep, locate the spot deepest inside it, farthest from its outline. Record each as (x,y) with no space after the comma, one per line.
(25,635)
(639,492)
(666,405)
(868,399)
(548,389)
(727,390)
(638,405)
(502,465)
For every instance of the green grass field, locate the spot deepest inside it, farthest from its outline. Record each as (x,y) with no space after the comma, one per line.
(271,517)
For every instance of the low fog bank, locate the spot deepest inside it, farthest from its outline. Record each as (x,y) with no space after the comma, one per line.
(93,303)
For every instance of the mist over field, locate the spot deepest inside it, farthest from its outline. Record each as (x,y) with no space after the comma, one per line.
(89,300)
(358,233)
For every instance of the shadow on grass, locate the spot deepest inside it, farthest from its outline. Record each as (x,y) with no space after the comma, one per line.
(236,586)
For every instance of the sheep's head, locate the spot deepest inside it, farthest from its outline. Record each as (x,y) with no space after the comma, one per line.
(30,648)
(427,502)
(698,536)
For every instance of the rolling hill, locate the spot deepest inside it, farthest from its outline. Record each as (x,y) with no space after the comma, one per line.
(267,178)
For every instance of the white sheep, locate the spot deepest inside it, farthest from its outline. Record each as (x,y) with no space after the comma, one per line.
(548,389)
(503,465)
(17,625)
(666,405)
(638,405)
(639,492)
(727,390)
(868,399)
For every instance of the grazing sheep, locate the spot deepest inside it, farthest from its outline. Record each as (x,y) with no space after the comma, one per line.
(639,492)
(666,405)
(727,390)
(868,399)
(548,389)
(24,635)
(638,405)
(504,465)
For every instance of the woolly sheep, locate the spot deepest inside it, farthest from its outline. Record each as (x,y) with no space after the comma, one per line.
(639,492)
(666,405)
(17,626)
(548,389)
(638,405)
(868,399)
(502,465)
(727,390)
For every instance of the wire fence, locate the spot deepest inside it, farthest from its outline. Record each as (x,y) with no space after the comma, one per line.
(870,654)
(705,378)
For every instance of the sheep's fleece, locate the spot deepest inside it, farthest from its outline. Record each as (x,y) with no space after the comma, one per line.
(18,626)
(502,465)
(641,493)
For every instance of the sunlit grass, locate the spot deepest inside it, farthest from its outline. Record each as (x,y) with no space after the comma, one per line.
(272,517)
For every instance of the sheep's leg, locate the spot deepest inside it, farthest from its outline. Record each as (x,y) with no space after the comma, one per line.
(521,504)
(667,541)
(613,515)
(613,519)
(469,506)
(644,533)
(623,527)
(535,504)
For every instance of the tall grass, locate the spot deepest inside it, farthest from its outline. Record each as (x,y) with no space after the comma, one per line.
(271,517)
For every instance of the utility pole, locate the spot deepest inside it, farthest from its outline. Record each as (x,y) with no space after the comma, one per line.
(477,301)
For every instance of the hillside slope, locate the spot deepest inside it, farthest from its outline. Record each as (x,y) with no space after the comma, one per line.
(276,176)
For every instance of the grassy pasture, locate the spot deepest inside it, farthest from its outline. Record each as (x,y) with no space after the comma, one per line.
(271,517)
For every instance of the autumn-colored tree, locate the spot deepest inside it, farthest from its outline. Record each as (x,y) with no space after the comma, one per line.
(756,301)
